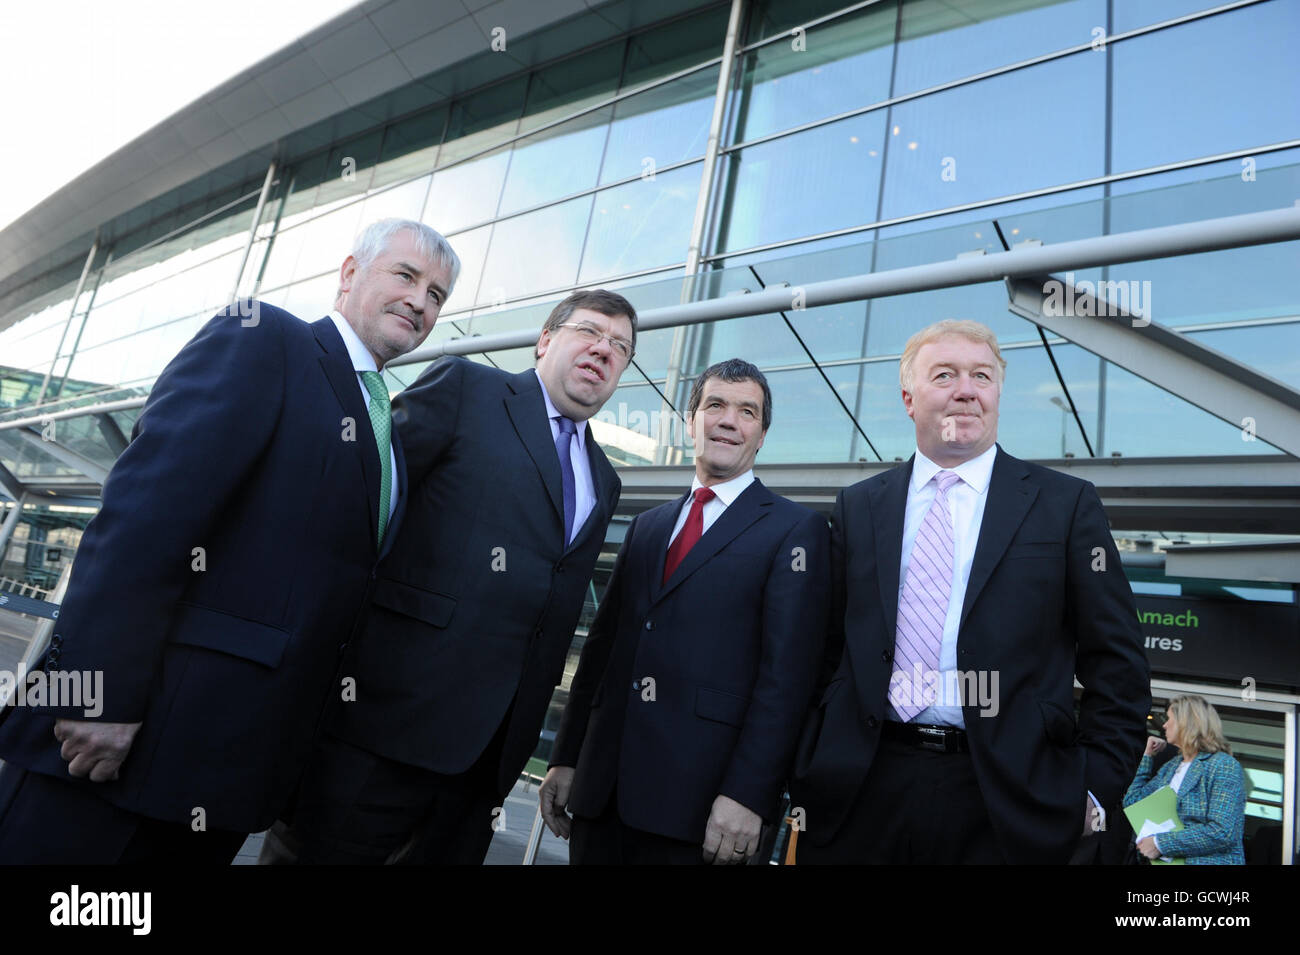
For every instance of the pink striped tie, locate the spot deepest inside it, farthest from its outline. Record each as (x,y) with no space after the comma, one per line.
(923,605)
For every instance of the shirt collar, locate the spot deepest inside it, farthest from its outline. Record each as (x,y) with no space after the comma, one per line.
(552,412)
(727,491)
(362,360)
(977,472)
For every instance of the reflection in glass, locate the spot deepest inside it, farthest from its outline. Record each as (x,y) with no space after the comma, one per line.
(466,194)
(1000,136)
(664,125)
(941,41)
(641,225)
(535,252)
(841,65)
(814,181)
(1206,87)
(555,163)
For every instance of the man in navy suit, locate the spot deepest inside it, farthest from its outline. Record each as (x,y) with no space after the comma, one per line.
(970,590)
(221,579)
(685,710)
(474,610)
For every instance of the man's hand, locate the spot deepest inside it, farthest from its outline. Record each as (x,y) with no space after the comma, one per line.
(554,796)
(1154,745)
(1148,848)
(731,836)
(94,749)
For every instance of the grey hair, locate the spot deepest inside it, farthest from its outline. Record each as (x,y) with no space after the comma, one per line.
(376,237)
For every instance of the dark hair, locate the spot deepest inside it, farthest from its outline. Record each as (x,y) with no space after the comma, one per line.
(732,370)
(598,300)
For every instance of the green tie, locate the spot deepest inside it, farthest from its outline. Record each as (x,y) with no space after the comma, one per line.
(382,424)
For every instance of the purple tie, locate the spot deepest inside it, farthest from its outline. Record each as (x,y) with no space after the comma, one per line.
(923,605)
(568,486)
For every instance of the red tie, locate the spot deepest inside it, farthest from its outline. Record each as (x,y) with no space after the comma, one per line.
(691,531)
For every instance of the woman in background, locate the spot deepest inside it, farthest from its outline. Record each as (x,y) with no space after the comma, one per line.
(1209,783)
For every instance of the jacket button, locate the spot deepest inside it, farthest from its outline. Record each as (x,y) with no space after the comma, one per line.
(537,634)
(872,722)
(559,568)
(649,624)
(636,684)
(887,656)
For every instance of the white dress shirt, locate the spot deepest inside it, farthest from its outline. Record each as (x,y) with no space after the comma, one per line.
(362,360)
(584,488)
(966,500)
(725,493)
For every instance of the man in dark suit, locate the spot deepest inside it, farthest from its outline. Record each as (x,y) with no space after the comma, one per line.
(970,589)
(475,607)
(209,592)
(685,710)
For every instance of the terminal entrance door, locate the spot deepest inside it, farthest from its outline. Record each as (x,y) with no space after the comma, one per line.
(1262,733)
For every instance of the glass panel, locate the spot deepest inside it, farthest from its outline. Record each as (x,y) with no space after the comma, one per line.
(349,167)
(572,84)
(970,142)
(642,224)
(466,194)
(404,202)
(664,125)
(535,252)
(675,46)
(771,17)
(483,119)
(778,190)
(839,66)
(942,41)
(1273,350)
(411,146)
(1194,90)
(555,163)
(627,427)
(471,248)
(1140,13)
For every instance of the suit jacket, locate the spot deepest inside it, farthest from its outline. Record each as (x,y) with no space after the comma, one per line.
(476,606)
(1211,805)
(1039,610)
(227,566)
(731,645)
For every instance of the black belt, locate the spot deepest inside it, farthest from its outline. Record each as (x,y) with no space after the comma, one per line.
(941,739)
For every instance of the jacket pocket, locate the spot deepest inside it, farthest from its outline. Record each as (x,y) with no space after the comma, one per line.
(1057,723)
(210,629)
(720,706)
(433,608)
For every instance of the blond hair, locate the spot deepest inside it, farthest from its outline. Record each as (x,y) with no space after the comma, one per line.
(1199,727)
(963,328)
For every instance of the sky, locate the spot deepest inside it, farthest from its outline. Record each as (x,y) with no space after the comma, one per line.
(82,78)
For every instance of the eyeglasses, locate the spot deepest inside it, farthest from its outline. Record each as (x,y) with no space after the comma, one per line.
(591,334)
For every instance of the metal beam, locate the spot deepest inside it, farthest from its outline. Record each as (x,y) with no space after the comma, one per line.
(10,484)
(96,472)
(1261,406)
(1209,235)
(10,522)
(111,433)
(1249,494)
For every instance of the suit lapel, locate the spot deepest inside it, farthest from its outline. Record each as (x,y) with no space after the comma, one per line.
(658,532)
(888,510)
(750,506)
(337,365)
(602,482)
(1009,500)
(527,410)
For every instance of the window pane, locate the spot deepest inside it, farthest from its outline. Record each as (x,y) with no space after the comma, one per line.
(1205,87)
(979,141)
(482,120)
(641,225)
(810,182)
(841,65)
(771,17)
(943,41)
(555,163)
(466,194)
(411,146)
(1140,13)
(535,252)
(675,46)
(560,90)
(665,125)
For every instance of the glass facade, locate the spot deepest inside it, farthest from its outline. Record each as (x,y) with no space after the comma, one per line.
(855,138)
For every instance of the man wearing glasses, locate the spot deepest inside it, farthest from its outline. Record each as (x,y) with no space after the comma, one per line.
(445,687)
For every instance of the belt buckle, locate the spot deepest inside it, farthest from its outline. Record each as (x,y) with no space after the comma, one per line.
(934,738)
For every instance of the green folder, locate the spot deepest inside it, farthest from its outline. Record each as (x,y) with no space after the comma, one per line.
(1161,806)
